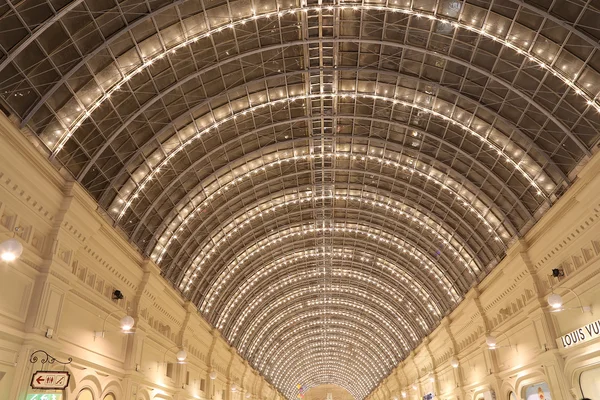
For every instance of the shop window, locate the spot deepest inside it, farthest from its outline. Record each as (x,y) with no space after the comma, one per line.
(589,382)
(110,396)
(85,394)
(539,391)
(169,371)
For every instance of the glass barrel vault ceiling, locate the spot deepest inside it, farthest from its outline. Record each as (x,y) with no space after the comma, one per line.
(324,179)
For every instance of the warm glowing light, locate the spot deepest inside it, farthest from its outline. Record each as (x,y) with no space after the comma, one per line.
(10,250)
(127,323)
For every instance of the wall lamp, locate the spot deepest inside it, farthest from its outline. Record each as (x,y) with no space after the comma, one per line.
(126,324)
(11,249)
(454,362)
(555,301)
(492,342)
(403,393)
(181,355)
(213,375)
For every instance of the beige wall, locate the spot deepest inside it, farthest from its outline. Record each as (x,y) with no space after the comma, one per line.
(73,261)
(511,305)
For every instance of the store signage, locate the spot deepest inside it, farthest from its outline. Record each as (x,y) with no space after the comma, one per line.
(52,380)
(44,396)
(583,334)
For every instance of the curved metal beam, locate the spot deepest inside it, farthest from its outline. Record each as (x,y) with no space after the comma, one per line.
(191,112)
(296,191)
(250,340)
(92,54)
(473,187)
(238,57)
(275,352)
(242,316)
(399,263)
(35,34)
(284,250)
(409,234)
(231,219)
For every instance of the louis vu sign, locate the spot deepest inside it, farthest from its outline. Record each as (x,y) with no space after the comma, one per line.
(583,334)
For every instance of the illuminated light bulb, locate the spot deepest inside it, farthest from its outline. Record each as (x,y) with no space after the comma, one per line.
(127,323)
(10,250)
(454,362)
(213,375)
(555,300)
(181,355)
(491,341)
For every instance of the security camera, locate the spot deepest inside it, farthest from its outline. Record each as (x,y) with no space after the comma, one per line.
(557,273)
(117,295)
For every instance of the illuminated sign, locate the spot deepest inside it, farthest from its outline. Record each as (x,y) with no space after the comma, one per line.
(583,334)
(44,396)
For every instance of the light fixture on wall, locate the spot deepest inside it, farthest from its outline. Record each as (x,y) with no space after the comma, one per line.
(431,378)
(181,355)
(414,387)
(492,342)
(233,388)
(403,393)
(454,362)
(213,375)
(126,323)
(10,250)
(248,395)
(555,301)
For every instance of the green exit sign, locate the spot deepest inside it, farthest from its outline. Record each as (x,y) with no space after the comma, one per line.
(44,396)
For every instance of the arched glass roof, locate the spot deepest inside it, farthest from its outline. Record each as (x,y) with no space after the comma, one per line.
(324,179)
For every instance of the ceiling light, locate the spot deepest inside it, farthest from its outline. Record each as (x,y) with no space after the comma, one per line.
(454,362)
(10,250)
(213,375)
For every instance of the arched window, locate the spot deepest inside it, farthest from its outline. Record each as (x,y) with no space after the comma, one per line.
(589,382)
(110,396)
(85,394)
(512,396)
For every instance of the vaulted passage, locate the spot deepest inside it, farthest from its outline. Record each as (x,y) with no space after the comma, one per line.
(324,181)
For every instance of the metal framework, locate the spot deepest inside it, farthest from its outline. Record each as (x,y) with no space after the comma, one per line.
(325,179)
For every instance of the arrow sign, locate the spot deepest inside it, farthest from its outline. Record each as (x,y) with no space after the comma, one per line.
(50,380)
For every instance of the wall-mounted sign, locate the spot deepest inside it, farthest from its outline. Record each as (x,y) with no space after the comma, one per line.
(583,334)
(53,380)
(44,396)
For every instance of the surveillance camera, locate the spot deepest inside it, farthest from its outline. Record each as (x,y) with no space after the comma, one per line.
(117,295)
(556,272)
